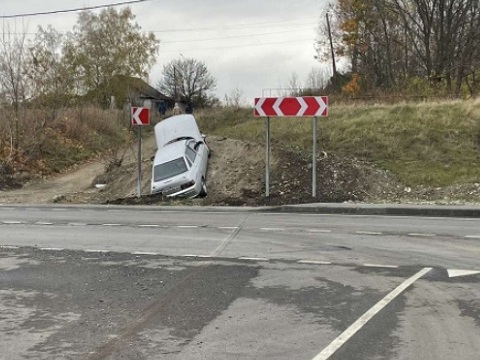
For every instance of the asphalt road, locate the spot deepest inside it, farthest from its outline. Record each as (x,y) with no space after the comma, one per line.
(135,283)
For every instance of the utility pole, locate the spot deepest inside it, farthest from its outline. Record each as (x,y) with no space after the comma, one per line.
(334,77)
(175,83)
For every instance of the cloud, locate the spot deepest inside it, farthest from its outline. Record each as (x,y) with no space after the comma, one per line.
(249,45)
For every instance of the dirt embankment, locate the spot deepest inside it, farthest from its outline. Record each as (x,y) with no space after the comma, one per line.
(236,176)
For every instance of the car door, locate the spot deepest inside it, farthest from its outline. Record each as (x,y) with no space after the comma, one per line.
(195,159)
(202,152)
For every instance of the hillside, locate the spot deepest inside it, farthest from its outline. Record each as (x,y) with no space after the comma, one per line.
(425,152)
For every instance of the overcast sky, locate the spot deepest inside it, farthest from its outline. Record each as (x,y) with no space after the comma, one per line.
(250,45)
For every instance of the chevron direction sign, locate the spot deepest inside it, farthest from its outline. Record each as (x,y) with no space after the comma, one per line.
(305,106)
(140,116)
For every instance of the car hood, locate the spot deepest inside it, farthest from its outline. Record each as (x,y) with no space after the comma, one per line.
(176,127)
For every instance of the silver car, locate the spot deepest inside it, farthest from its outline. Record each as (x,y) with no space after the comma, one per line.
(180,163)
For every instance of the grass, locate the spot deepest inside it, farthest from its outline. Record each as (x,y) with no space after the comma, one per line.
(431,143)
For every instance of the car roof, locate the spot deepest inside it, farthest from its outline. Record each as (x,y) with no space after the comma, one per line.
(176,127)
(170,152)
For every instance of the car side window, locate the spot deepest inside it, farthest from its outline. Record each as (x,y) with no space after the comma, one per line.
(190,154)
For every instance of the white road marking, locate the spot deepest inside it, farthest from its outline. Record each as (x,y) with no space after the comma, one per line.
(422,234)
(228,227)
(381,266)
(272,229)
(368,232)
(76,224)
(144,253)
(456,272)
(149,226)
(9,247)
(198,256)
(314,262)
(12,222)
(96,251)
(253,258)
(472,237)
(187,226)
(357,325)
(43,223)
(111,224)
(321,231)
(52,249)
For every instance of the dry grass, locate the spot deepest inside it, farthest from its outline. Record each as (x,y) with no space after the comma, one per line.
(429,143)
(52,140)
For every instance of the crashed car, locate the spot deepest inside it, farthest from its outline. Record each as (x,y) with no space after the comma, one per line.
(180,162)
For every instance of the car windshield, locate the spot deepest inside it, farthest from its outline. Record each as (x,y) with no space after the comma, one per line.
(169,169)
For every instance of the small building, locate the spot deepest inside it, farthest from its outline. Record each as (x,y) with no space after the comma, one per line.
(137,92)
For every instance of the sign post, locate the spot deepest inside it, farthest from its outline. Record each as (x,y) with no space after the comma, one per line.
(306,106)
(140,117)
(267,167)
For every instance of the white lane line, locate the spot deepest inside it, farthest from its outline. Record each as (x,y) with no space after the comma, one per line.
(253,258)
(76,224)
(198,256)
(456,272)
(320,231)
(472,237)
(111,224)
(187,226)
(9,247)
(228,227)
(43,223)
(51,249)
(12,222)
(272,229)
(422,234)
(149,226)
(96,251)
(314,262)
(368,232)
(144,253)
(381,266)
(357,325)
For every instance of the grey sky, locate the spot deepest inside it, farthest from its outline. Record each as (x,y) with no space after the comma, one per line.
(251,45)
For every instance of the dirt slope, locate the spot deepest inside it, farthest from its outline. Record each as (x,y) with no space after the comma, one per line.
(236,176)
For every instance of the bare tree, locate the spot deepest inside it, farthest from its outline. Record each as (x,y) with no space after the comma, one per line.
(189,81)
(12,80)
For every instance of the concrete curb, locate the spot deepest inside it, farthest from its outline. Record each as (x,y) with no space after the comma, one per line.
(383,209)
(468,211)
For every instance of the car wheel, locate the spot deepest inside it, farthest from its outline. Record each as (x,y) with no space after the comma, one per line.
(203,192)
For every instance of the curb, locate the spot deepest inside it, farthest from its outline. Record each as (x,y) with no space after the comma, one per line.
(466,211)
(384,209)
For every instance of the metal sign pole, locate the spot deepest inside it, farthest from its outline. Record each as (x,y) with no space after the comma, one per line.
(267,171)
(139,193)
(314,158)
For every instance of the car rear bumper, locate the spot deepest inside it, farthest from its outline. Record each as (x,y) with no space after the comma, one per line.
(188,193)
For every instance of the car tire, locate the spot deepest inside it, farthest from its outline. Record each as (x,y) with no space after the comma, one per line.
(203,192)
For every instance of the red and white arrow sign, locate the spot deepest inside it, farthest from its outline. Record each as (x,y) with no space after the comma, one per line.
(292,106)
(140,116)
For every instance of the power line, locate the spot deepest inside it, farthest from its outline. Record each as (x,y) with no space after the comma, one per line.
(297,41)
(70,10)
(241,25)
(233,36)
